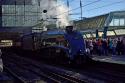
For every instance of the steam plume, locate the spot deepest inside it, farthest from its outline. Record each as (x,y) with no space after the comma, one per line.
(54,10)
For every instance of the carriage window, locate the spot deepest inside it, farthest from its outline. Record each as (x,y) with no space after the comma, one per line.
(58,41)
(48,42)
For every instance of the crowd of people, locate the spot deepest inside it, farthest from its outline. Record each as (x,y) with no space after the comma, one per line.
(109,46)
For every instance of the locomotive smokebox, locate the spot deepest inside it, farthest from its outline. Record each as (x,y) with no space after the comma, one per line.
(44,11)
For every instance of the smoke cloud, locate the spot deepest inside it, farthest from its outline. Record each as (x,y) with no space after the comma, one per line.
(55,12)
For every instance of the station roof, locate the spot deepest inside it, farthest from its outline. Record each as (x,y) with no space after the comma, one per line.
(92,23)
(98,22)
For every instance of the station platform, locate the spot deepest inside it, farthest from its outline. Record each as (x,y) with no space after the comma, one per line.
(117,59)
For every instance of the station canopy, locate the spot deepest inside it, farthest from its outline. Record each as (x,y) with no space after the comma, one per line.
(115,21)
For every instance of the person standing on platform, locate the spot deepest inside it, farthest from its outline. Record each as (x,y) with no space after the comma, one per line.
(124,45)
(114,44)
(1,62)
(118,47)
(110,46)
(99,43)
(91,47)
(104,47)
(123,40)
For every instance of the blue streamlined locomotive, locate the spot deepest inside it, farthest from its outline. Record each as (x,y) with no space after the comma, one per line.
(64,46)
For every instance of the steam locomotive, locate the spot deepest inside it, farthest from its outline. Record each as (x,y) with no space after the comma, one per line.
(64,46)
(57,46)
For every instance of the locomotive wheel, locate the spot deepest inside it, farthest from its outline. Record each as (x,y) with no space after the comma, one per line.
(79,60)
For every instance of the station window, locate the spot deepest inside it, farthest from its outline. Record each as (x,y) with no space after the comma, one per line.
(100,34)
(120,32)
(110,33)
(20,15)
(94,35)
(6,43)
(122,22)
(88,35)
(84,36)
(111,24)
(116,22)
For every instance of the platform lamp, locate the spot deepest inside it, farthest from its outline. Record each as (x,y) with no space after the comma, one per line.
(97,34)
(45,12)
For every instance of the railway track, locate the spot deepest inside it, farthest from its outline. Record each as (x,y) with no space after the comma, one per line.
(27,71)
(106,72)
(97,73)
(110,73)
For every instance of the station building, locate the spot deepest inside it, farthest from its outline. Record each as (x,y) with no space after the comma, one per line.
(18,17)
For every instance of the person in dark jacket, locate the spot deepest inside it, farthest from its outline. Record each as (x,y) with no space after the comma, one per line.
(104,47)
(124,45)
(1,62)
(119,47)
